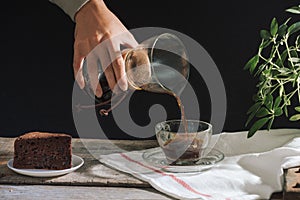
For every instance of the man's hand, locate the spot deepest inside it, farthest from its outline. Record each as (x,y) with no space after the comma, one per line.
(96,24)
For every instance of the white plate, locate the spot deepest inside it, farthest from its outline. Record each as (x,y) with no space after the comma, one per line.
(77,162)
(157,158)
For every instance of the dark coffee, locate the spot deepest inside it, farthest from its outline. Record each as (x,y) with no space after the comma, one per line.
(188,143)
(183,149)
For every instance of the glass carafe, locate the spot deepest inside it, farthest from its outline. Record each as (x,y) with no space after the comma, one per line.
(158,64)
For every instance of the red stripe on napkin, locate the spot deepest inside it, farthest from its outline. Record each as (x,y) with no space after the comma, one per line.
(181,182)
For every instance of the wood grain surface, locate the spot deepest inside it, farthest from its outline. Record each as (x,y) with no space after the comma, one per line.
(92,173)
(97,181)
(38,192)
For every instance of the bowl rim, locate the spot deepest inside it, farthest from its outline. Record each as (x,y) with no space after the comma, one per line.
(209,126)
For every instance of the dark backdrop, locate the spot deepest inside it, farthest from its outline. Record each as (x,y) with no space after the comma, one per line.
(36,56)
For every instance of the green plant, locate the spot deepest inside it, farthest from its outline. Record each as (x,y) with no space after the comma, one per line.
(277,65)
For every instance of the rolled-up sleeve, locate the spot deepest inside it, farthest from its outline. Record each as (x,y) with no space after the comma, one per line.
(70,6)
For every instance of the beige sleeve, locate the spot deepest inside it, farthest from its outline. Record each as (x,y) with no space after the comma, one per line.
(70,6)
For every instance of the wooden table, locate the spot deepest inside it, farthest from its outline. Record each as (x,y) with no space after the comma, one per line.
(103,182)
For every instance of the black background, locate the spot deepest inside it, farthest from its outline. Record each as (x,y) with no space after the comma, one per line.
(36,41)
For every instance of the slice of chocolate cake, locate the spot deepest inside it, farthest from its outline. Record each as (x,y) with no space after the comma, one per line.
(40,150)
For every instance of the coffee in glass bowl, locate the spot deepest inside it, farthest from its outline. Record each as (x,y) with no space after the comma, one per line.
(183,143)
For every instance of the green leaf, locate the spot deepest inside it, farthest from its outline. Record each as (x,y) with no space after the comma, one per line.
(296,80)
(252,63)
(295,117)
(266,72)
(294,28)
(294,53)
(262,79)
(294,10)
(274,27)
(279,62)
(269,101)
(294,60)
(297,108)
(283,70)
(277,101)
(281,89)
(278,112)
(284,55)
(264,44)
(252,68)
(262,112)
(257,125)
(285,73)
(282,30)
(286,111)
(264,34)
(270,123)
(298,41)
(250,118)
(259,70)
(254,108)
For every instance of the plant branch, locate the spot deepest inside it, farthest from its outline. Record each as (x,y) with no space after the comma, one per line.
(268,61)
(288,52)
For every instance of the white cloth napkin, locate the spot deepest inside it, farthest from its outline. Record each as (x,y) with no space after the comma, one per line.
(252,168)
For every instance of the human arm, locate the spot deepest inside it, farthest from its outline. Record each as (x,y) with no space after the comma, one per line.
(96,24)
